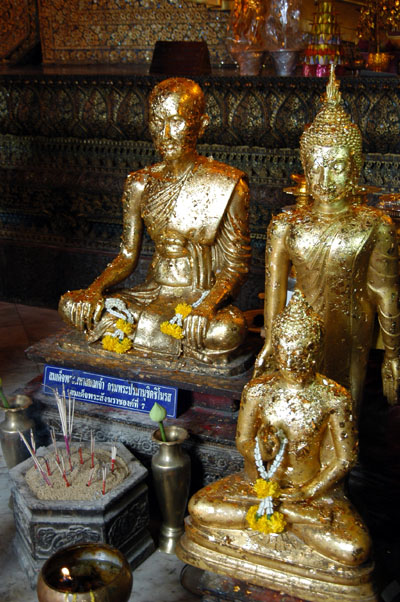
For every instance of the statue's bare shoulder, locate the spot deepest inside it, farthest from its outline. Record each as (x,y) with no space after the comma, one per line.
(134,186)
(259,387)
(137,179)
(337,398)
(218,168)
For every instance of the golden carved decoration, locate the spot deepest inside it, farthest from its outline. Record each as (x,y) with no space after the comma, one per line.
(296,430)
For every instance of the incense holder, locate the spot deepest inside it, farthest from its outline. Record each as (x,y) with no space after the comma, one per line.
(118,518)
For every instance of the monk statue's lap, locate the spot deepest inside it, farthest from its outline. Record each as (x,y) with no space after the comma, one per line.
(196,212)
(344,255)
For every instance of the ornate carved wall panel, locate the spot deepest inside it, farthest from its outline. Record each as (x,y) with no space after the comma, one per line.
(110,31)
(68,141)
(265,112)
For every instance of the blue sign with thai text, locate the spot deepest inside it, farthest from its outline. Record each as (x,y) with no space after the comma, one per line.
(109,391)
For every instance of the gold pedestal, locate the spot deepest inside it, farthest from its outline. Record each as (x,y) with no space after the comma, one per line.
(279,562)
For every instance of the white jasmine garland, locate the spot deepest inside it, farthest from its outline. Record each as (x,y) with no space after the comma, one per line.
(266,504)
(116,307)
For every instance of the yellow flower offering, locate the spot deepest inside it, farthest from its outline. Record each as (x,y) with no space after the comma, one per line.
(174,330)
(266,488)
(274,523)
(114,344)
(184,309)
(124,326)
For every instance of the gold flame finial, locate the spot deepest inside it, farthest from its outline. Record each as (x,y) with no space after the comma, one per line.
(333,95)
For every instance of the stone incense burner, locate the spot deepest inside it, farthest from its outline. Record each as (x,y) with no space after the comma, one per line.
(118,518)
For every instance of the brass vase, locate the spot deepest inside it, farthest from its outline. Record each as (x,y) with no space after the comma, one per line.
(16,421)
(171,475)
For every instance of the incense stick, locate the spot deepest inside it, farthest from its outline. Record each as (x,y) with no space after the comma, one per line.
(54,441)
(67,421)
(92,448)
(104,473)
(113,457)
(91,474)
(36,461)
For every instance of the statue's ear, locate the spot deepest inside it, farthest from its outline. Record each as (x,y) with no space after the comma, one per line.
(355,170)
(204,121)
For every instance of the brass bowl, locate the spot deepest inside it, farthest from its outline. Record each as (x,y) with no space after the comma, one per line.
(119,581)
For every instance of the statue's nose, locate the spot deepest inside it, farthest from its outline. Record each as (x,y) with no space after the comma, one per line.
(166,130)
(324,176)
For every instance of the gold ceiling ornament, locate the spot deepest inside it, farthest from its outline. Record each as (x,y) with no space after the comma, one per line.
(19,29)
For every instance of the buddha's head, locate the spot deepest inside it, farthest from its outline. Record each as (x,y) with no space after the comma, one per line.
(176,117)
(297,334)
(331,150)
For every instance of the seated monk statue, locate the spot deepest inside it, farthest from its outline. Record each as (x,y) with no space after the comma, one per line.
(298,435)
(195,210)
(344,255)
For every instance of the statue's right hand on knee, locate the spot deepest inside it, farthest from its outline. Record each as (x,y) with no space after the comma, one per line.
(82,308)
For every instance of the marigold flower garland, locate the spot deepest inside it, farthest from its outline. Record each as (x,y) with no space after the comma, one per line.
(262,517)
(174,327)
(119,340)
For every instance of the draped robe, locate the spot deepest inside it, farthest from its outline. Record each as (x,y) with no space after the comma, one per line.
(345,269)
(194,218)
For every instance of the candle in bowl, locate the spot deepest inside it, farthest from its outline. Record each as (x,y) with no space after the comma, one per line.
(85,573)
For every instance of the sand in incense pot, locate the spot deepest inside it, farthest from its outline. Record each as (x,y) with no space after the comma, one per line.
(79,477)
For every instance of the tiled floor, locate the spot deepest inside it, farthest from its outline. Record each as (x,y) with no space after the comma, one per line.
(20,326)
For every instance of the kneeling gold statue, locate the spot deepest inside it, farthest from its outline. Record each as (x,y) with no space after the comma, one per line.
(196,212)
(285,521)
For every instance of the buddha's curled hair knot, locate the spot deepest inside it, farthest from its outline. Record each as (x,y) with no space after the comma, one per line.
(298,325)
(332,127)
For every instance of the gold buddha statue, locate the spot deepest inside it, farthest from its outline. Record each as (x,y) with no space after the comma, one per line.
(285,521)
(195,210)
(344,255)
